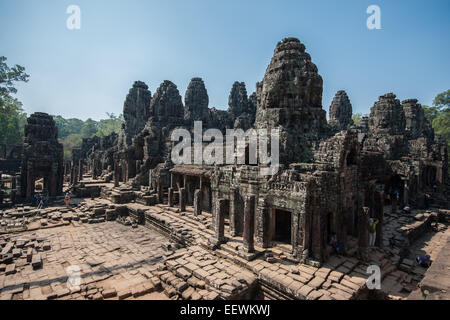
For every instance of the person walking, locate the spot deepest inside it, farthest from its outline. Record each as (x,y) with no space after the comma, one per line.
(372,231)
(67,199)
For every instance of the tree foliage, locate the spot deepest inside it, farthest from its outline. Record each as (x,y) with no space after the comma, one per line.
(12,117)
(439,116)
(110,125)
(357,117)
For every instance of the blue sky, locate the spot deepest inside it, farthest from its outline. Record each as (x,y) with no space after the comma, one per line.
(88,72)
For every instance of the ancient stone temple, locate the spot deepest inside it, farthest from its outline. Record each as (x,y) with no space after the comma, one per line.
(42,157)
(401,151)
(332,177)
(295,227)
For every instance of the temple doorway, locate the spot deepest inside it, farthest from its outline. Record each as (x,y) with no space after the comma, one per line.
(281,226)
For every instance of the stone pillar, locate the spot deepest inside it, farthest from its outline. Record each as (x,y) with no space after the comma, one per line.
(249,223)
(379,214)
(182,199)
(406,193)
(363,226)
(160,192)
(170,197)
(13,182)
(197,202)
(53,183)
(138,165)
(80,170)
(235,227)
(394,204)
(219,221)
(72,174)
(30,183)
(13,196)
(116,173)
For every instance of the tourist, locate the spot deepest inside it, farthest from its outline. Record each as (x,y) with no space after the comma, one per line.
(67,199)
(424,260)
(334,243)
(38,199)
(426,200)
(41,203)
(46,198)
(397,194)
(372,231)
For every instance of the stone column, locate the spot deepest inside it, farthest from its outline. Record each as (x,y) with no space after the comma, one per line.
(197,202)
(53,183)
(72,173)
(160,192)
(363,226)
(13,196)
(394,204)
(116,173)
(13,182)
(30,183)
(249,223)
(80,172)
(75,176)
(406,193)
(170,197)
(219,221)
(234,215)
(379,214)
(182,199)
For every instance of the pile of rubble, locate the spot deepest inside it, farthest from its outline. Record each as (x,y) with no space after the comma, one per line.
(17,252)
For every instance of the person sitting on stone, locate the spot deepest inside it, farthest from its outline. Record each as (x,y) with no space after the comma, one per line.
(334,243)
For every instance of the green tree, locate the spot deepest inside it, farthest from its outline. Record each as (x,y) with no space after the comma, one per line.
(110,125)
(430,113)
(71,141)
(442,101)
(357,117)
(439,116)
(89,128)
(67,127)
(12,117)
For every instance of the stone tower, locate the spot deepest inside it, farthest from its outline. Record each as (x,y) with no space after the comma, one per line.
(290,98)
(341,112)
(196,101)
(136,111)
(43,156)
(166,104)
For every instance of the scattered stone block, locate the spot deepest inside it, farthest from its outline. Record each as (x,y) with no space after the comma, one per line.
(36,261)
(10,269)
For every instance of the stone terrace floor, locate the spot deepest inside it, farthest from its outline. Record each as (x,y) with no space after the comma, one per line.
(115,262)
(121,262)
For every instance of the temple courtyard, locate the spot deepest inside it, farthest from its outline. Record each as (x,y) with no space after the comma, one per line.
(76,253)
